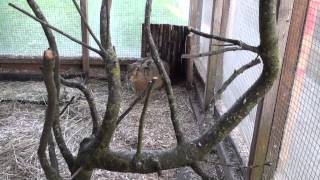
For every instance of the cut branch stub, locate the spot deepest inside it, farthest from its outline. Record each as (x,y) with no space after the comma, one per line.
(48,55)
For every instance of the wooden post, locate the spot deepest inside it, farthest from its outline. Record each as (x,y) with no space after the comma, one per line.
(213,60)
(85,38)
(189,62)
(271,118)
(195,16)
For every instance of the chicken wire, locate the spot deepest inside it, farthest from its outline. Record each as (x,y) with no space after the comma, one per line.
(19,35)
(300,150)
(243,25)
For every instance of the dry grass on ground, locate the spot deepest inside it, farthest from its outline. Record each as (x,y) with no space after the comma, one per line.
(21,126)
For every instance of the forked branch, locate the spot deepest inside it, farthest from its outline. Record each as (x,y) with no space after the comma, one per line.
(211,53)
(235,74)
(235,42)
(90,99)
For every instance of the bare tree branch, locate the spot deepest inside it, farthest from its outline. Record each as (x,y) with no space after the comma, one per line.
(83,18)
(56,124)
(235,74)
(109,122)
(211,53)
(188,152)
(94,151)
(142,117)
(90,99)
(219,38)
(105,24)
(48,76)
(51,41)
(139,98)
(164,75)
(56,29)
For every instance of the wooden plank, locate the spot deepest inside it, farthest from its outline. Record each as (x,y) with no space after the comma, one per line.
(143,42)
(269,123)
(164,42)
(169,45)
(212,62)
(223,33)
(189,62)
(160,40)
(174,40)
(85,38)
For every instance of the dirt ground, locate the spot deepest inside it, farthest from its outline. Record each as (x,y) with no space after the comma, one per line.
(21,126)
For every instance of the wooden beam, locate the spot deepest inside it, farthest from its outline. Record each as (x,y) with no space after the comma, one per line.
(189,62)
(22,66)
(85,38)
(213,60)
(270,119)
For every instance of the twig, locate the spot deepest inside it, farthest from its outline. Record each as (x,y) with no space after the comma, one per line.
(87,25)
(235,74)
(224,45)
(269,163)
(164,75)
(126,112)
(219,38)
(24,101)
(76,173)
(90,99)
(144,110)
(67,105)
(211,53)
(56,29)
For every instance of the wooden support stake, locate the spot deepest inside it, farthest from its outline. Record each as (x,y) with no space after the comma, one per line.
(213,60)
(85,38)
(189,62)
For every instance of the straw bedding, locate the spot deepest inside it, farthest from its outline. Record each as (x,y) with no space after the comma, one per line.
(21,121)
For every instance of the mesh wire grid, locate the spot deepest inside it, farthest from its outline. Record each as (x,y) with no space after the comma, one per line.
(19,35)
(299,154)
(244,25)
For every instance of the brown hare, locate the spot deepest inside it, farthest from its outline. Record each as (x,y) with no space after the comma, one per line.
(140,73)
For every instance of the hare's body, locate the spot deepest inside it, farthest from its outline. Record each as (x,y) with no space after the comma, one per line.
(140,73)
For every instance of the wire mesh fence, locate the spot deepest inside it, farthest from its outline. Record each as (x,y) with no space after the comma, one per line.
(243,25)
(19,35)
(299,155)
